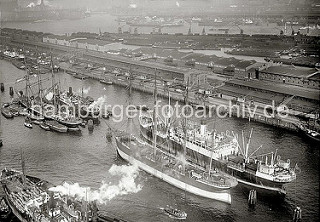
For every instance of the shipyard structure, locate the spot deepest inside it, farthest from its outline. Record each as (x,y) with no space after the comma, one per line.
(11,10)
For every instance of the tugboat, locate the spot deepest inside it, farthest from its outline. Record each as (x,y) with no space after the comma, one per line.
(175,213)
(309,133)
(31,198)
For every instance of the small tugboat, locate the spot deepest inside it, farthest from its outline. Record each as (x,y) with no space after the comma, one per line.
(28,123)
(44,126)
(175,213)
(309,133)
(1,143)
(4,209)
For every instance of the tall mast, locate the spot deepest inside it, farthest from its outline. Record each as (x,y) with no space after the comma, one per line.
(1,29)
(53,80)
(169,111)
(213,144)
(27,81)
(185,129)
(40,90)
(243,147)
(23,166)
(130,85)
(247,147)
(52,74)
(155,115)
(129,123)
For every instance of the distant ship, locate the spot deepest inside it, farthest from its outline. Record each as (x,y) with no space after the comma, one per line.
(152,22)
(174,170)
(12,11)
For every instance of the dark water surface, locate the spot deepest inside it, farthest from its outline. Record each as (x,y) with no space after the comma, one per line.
(87,158)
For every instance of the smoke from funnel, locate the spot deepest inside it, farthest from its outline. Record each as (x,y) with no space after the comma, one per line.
(107,191)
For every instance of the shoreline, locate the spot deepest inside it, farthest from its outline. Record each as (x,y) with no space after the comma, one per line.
(289,124)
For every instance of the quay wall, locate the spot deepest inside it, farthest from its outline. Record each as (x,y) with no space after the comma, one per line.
(289,124)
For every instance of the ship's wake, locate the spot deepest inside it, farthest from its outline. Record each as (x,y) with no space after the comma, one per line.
(107,190)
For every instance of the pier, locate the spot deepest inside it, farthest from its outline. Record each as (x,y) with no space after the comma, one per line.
(178,74)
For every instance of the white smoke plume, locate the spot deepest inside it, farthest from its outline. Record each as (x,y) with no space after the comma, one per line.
(33,4)
(177,4)
(107,191)
(84,90)
(99,102)
(49,96)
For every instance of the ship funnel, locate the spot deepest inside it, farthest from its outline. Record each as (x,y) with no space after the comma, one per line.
(203,128)
(266,160)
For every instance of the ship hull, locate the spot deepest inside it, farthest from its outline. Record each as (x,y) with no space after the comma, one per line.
(312,139)
(125,153)
(21,216)
(7,114)
(264,190)
(246,178)
(57,127)
(70,124)
(14,210)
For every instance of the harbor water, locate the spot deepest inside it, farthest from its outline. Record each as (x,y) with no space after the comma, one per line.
(86,159)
